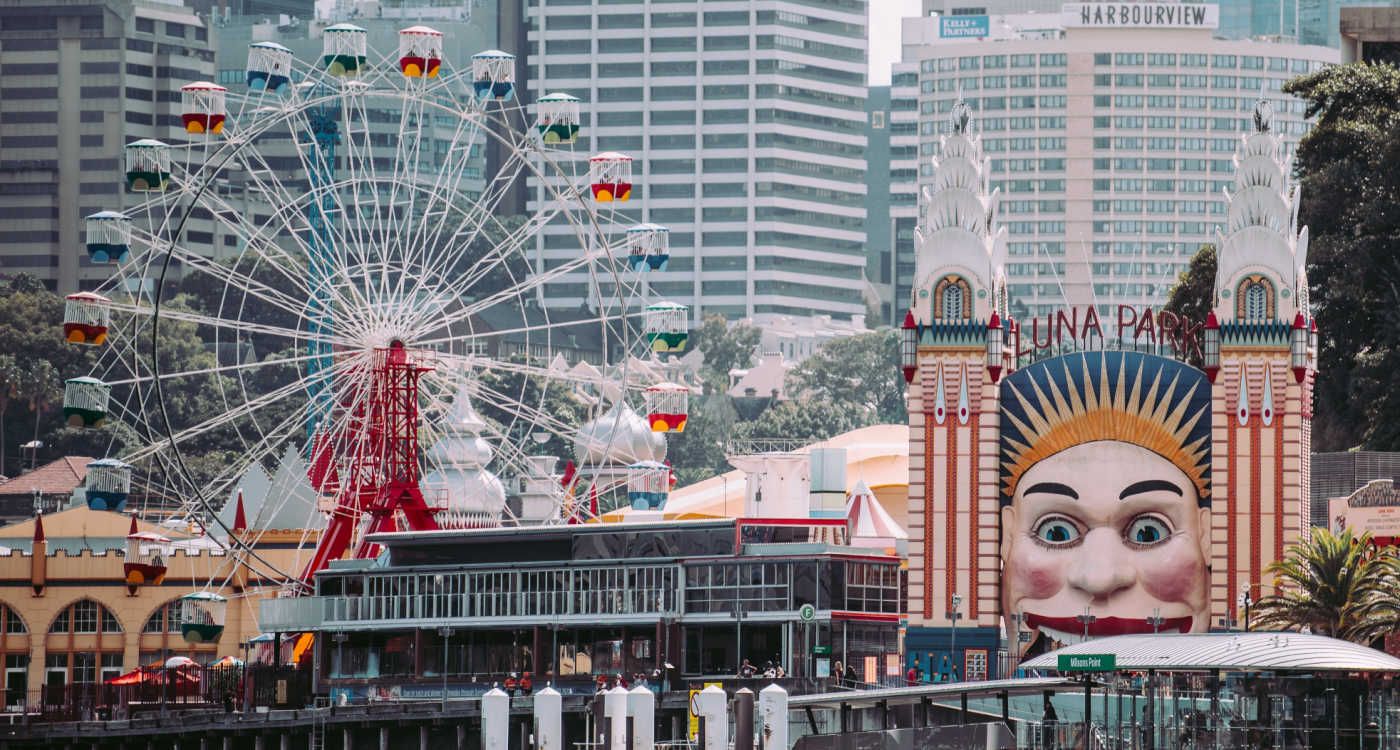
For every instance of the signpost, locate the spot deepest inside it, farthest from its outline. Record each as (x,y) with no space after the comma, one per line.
(1088,664)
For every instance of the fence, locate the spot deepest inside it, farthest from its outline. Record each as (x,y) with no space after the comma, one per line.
(165,689)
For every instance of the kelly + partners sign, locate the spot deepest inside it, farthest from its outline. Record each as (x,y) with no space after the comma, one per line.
(964,27)
(1088,662)
(1140,15)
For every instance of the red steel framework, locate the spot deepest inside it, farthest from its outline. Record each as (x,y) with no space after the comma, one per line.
(371,466)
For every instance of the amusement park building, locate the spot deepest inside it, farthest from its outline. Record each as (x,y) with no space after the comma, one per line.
(745,121)
(1072,476)
(1109,144)
(80,80)
(68,619)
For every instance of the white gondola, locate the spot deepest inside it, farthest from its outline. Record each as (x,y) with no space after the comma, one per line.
(203,107)
(648,485)
(202,616)
(610,174)
(85,402)
(269,67)
(147,166)
(666,326)
(493,75)
(648,246)
(558,119)
(667,406)
(344,49)
(420,52)
(107,484)
(87,316)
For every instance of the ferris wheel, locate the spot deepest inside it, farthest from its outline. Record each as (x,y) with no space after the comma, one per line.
(317,265)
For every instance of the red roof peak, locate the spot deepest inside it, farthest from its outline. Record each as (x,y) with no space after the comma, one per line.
(240,518)
(39,528)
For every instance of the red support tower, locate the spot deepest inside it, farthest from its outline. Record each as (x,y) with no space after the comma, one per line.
(372,467)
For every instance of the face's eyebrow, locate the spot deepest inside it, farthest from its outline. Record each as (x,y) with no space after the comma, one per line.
(1052,488)
(1149,485)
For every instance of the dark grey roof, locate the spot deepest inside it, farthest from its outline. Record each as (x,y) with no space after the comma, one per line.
(906,695)
(1243,652)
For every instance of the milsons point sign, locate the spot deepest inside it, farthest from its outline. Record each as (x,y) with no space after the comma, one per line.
(1141,15)
(1081,328)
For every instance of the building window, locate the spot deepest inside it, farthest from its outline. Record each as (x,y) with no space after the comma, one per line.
(84,617)
(11,621)
(1256,299)
(952,299)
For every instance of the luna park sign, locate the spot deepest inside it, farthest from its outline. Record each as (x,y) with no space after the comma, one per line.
(1082,329)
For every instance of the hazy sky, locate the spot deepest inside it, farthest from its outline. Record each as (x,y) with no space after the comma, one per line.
(884,35)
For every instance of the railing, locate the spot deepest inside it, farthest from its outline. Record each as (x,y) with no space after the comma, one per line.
(650,590)
(166,689)
(754,446)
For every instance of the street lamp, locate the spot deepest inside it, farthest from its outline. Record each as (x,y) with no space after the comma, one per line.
(446,634)
(1156,620)
(955,615)
(1087,619)
(1245,601)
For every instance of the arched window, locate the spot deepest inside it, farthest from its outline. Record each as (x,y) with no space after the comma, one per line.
(952,299)
(85,617)
(10,621)
(952,303)
(1256,299)
(166,619)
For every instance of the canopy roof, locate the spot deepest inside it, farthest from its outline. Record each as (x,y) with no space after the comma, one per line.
(1244,652)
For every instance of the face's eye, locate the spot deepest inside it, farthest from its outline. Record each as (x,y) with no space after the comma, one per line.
(1056,531)
(1147,530)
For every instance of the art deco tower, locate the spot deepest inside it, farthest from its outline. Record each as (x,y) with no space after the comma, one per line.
(952,333)
(1260,352)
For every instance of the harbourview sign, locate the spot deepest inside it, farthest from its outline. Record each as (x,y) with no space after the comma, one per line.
(1141,15)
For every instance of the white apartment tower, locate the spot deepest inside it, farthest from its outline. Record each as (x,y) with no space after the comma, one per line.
(745,121)
(1112,142)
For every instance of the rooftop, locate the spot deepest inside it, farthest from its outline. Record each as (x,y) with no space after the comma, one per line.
(1239,652)
(58,477)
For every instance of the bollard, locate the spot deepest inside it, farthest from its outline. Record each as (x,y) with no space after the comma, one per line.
(773,716)
(495,720)
(615,709)
(549,720)
(641,707)
(712,706)
(743,719)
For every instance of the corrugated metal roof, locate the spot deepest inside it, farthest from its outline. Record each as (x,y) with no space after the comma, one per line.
(904,695)
(1277,652)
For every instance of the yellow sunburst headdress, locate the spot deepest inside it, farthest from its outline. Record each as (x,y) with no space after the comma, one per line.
(1152,402)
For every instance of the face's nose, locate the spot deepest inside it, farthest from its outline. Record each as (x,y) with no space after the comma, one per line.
(1098,568)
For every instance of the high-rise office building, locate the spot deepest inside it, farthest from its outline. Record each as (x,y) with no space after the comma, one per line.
(1110,143)
(746,123)
(1312,22)
(78,81)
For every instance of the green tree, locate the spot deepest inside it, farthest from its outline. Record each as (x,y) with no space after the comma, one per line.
(725,348)
(1351,205)
(1192,297)
(11,376)
(1330,585)
(698,453)
(861,371)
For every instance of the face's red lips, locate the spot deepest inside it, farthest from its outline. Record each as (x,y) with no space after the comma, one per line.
(1106,626)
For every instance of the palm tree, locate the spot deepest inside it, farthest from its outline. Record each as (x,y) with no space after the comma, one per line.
(1331,585)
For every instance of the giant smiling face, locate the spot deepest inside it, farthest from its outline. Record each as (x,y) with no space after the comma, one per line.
(1111,528)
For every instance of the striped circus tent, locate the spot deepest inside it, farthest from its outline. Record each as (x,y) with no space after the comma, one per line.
(869,523)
